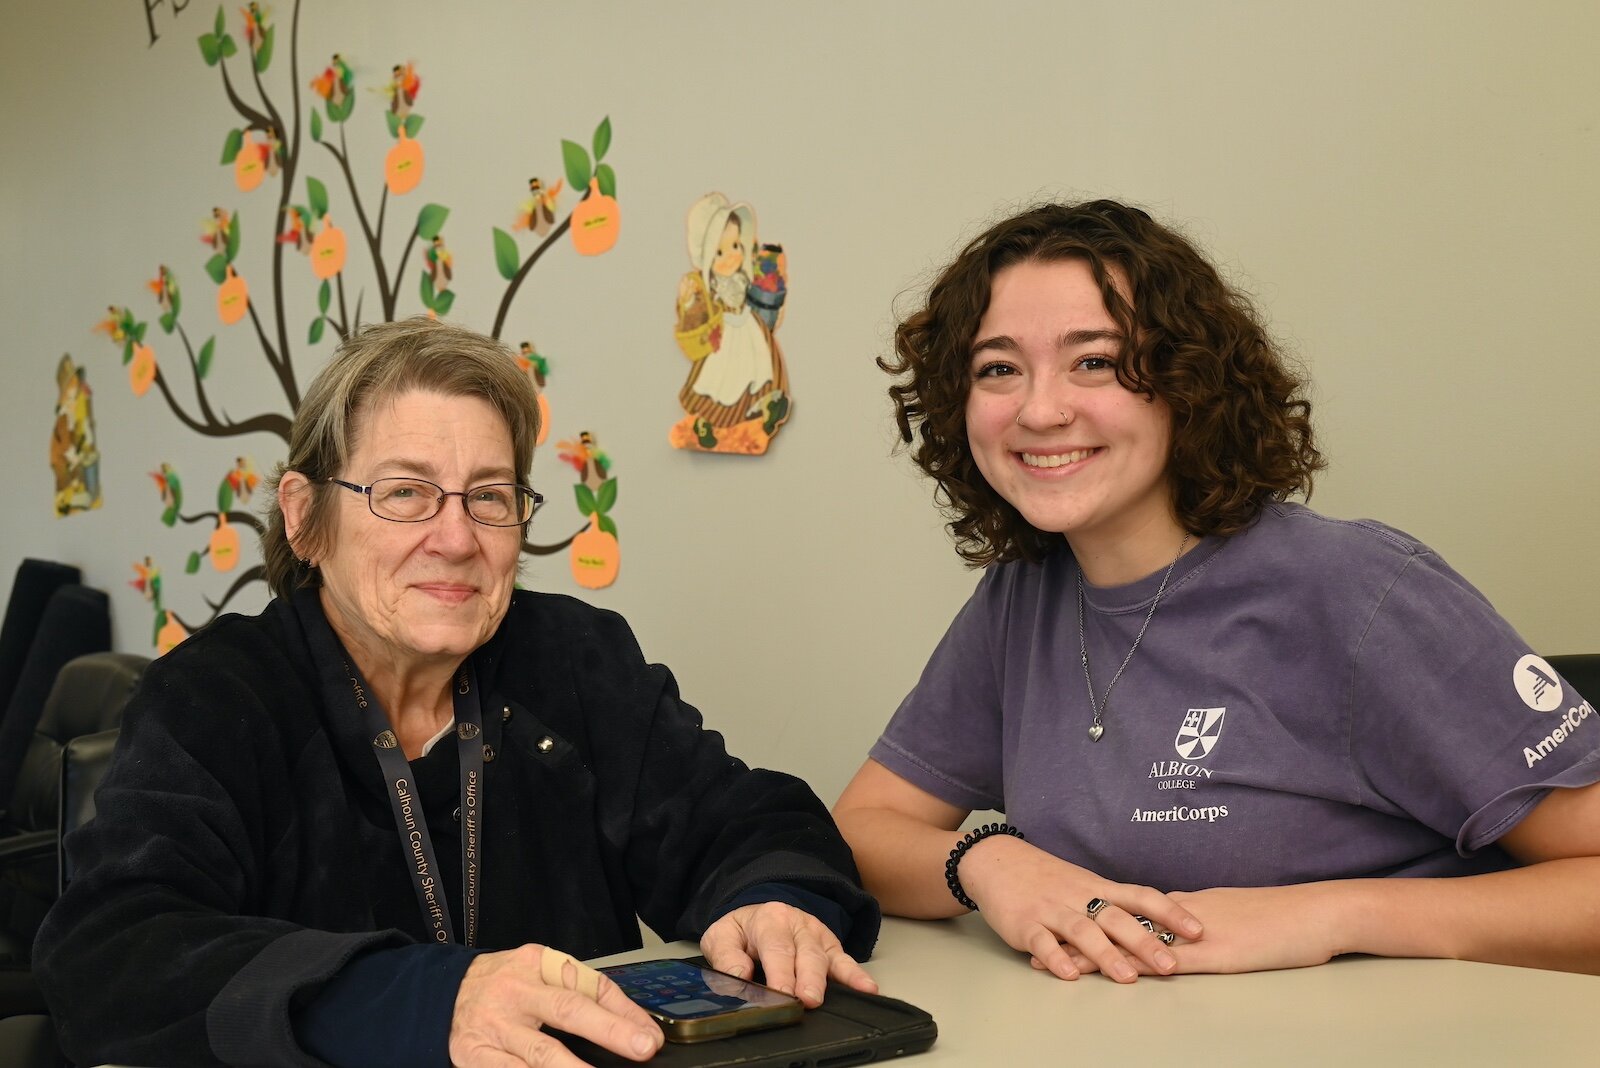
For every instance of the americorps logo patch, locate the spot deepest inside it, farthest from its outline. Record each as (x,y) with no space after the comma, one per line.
(1537,684)
(1199,733)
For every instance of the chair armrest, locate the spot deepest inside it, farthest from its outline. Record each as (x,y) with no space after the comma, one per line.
(27,845)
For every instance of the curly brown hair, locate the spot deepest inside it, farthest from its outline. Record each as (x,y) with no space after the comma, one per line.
(1241,428)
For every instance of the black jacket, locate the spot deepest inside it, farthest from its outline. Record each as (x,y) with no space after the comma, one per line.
(244,847)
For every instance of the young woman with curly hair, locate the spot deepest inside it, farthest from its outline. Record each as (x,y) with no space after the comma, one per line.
(1219,723)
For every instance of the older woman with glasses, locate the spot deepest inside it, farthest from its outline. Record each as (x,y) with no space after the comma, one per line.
(369,825)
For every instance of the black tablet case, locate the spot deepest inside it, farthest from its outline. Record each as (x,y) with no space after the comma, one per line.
(848,1028)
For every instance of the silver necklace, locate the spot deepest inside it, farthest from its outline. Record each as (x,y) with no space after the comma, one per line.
(1096,729)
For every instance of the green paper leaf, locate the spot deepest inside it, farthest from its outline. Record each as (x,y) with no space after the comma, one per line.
(602,139)
(607,525)
(193,565)
(324,297)
(138,332)
(607,495)
(316,329)
(316,125)
(155,632)
(224,495)
(577,164)
(203,361)
(209,50)
(217,268)
(127,351)
(430,220)
(586,503)
(443,303)
(221,25)
(264,57)
(393,122)
(227,47)
(427,289)
(317,194)
(607,179)
(413,124)
(234,226)
(177,301)
(168,321)
(170,516)
(230,147)
(506,256)
(341,112)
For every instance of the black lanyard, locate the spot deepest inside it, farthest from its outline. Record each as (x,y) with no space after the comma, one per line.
(415,841)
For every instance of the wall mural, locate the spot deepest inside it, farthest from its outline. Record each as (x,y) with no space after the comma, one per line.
(271,154)
(730,304)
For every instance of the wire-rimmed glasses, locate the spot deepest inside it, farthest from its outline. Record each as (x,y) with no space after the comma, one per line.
(416,500)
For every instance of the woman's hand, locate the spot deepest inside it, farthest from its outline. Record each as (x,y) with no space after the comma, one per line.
(1038,903)
(796,951)
(1253,929)
(504,1003)
(1258,928)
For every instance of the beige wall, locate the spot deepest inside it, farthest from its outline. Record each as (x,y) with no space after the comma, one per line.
(1408,188)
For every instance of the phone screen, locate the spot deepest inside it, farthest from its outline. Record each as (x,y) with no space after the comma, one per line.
(694,1002)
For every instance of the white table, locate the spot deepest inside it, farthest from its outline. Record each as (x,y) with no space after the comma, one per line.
(993,1009)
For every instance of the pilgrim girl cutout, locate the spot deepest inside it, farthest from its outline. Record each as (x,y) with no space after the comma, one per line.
(729,306)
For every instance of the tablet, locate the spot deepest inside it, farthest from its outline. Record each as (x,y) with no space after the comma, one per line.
(848,1028)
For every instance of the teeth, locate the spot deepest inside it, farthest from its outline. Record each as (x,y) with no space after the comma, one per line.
(1056,460)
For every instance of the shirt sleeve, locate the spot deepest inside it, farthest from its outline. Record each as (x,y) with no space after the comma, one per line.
(945,737)
(1456,723)
(390,1006)
(696,825)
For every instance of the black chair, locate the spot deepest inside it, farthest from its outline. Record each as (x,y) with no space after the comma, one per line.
(28,1040)
(87,700)
(84,761)
(76,621)
(36,581)
(1580,669)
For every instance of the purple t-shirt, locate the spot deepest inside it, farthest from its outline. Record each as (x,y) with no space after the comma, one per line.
(1314,699)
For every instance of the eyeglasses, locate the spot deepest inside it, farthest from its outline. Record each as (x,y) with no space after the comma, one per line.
(415,500)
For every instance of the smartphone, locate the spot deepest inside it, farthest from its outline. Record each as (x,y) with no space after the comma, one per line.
(693,1003)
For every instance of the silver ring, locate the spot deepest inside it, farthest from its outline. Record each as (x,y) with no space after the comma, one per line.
(1167,937)
(1095,906)
(1146,924)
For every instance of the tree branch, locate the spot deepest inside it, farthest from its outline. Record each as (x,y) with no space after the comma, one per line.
(374,243)
(245,519)
(550,550)
(270,423)
(516,282)
(199,383)
(248,113)
(257,573)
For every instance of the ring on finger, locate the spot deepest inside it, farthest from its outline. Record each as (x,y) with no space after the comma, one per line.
(1166,937)
(1095,906)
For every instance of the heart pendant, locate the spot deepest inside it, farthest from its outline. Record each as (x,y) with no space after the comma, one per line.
(1095,732)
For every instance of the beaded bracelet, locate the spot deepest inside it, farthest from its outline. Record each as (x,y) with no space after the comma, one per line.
(973,838)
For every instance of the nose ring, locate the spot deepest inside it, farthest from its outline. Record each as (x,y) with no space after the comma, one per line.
(1058,412)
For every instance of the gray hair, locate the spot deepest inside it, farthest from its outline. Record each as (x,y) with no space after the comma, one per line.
(378,364)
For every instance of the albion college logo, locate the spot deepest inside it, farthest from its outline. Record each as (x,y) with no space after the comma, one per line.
(1199,733)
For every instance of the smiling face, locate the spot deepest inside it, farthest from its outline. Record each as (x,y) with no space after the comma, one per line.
(1051,428)
(404,595)
(730,255)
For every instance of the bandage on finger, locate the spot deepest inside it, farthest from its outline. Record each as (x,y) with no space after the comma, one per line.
(551,970)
